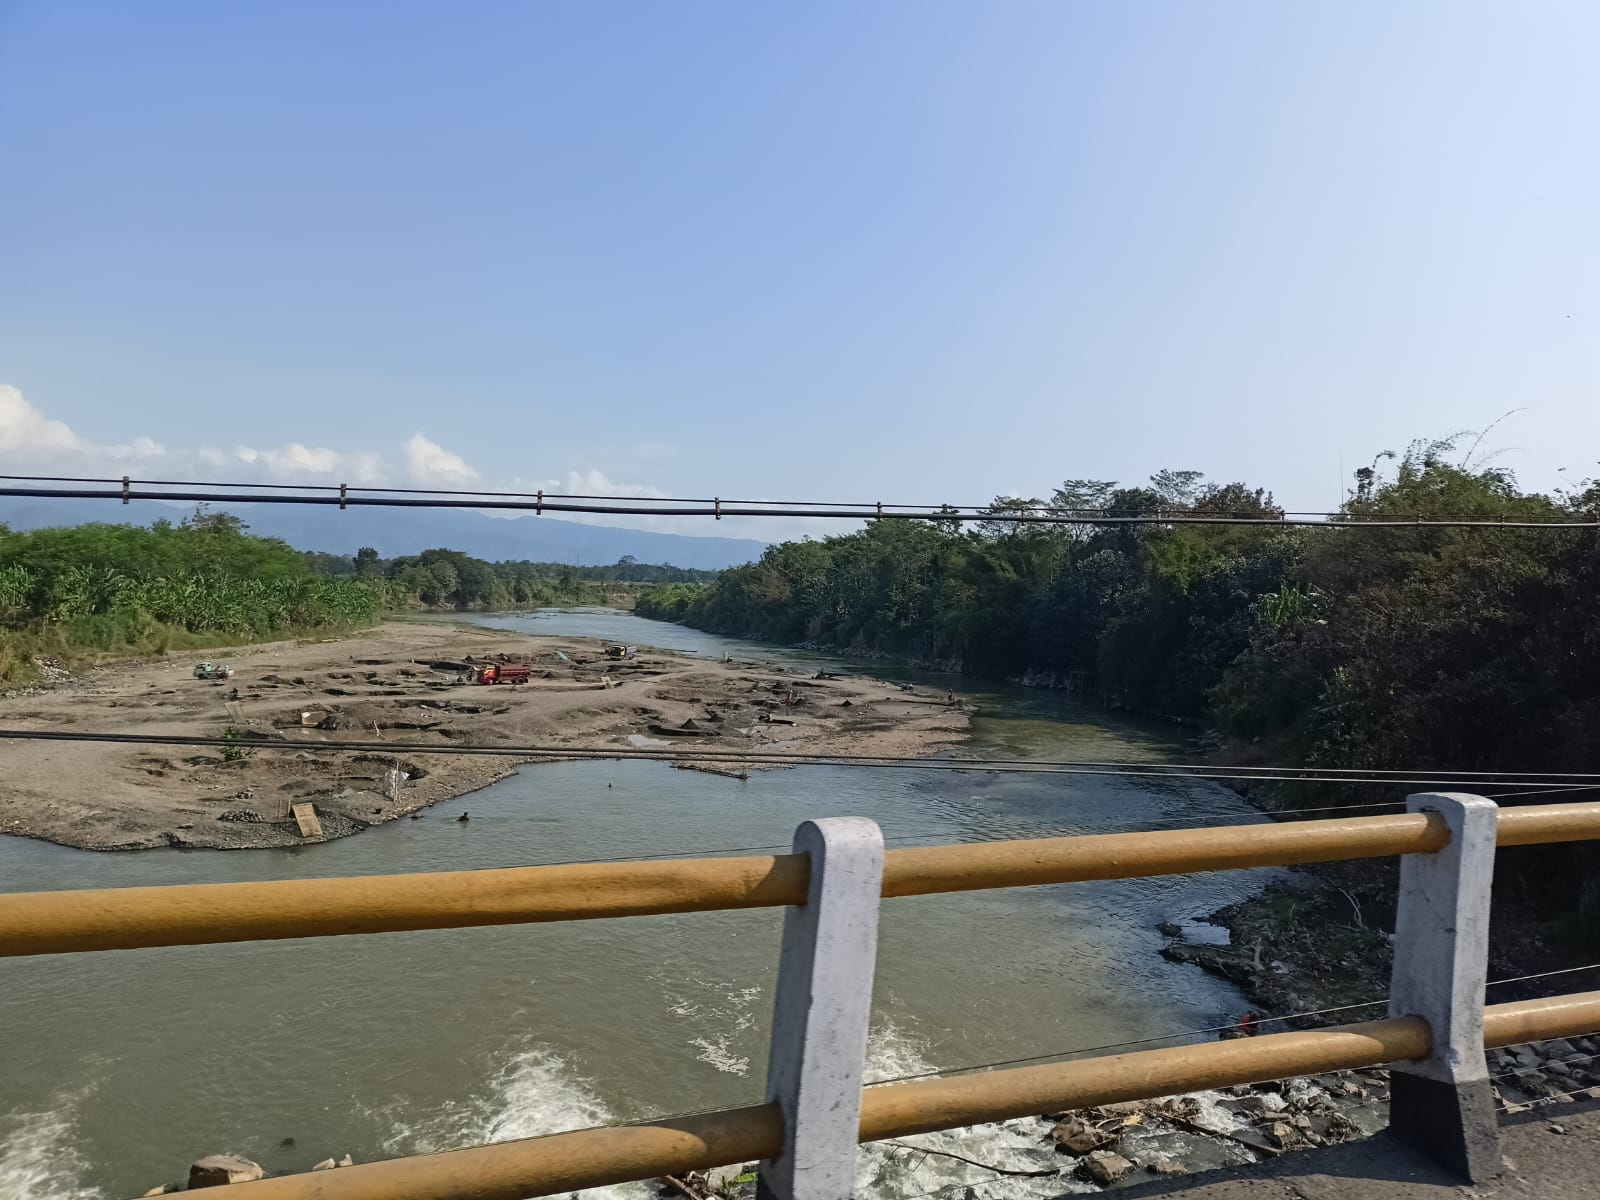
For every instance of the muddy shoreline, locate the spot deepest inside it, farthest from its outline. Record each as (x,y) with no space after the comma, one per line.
(401,683)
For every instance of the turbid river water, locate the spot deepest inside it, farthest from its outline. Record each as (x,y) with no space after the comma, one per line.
(118,1069)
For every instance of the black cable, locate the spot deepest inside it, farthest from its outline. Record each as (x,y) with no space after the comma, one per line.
(721,756)
(1568,787)
(1594,966)
(1169,1037)
(344,497)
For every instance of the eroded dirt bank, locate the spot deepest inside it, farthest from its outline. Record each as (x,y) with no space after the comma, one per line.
(399,683)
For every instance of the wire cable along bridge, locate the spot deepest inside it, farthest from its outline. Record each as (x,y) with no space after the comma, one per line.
(833,884)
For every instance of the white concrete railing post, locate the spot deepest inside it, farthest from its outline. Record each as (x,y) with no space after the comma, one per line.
(820,1015)
(1443,1104)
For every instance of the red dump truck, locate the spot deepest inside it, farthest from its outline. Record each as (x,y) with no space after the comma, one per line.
(500,673)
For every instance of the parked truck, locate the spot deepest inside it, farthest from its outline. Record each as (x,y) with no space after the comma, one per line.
(494,672)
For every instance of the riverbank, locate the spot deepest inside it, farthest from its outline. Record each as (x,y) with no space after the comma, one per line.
(399,683)
(1318,947)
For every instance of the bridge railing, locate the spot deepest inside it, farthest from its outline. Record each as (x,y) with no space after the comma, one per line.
(817,1111)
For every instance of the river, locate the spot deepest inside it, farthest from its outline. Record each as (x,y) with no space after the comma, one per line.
(120,1068)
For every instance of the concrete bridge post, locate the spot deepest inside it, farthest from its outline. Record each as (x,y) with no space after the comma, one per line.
(1443,1104)
(820,1014)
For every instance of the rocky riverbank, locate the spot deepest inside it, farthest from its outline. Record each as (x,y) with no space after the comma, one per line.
(1090,1150)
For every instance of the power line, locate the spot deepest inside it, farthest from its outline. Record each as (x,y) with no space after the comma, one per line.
(344,496)
(1568,787)
(1548,1100)
(729,757)
(1189,1033)
(1594,966)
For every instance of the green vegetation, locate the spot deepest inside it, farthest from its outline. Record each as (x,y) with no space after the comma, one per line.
(127,589)
(131,589)
(453,580)
(1429,649)
(235,750)
(1416,647)
(668,601)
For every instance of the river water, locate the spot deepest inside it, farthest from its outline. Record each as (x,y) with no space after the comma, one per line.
(118,1069)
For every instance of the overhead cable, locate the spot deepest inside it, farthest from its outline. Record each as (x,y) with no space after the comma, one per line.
(736,758)
(344,496)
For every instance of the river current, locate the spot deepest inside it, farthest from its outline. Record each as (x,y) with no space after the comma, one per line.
(118,1069)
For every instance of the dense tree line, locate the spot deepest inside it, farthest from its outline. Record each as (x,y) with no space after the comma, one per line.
(207,581)
(129,587)
(1430,648)
(450,579)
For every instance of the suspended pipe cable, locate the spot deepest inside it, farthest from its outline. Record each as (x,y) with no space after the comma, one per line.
(342,496)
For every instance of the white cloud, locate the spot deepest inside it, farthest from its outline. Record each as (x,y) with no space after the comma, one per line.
(430,462)
(26,430)
(313,460)
(31,441)
(594,482)
(140,447)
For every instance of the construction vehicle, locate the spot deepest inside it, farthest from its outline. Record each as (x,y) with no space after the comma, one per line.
(495,672)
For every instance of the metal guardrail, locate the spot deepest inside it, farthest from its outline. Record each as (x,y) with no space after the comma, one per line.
(202,914)
(832,887)
(563,1162)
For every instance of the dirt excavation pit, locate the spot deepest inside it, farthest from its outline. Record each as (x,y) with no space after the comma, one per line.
(404,683)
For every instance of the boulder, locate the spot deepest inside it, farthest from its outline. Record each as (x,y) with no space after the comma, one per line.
(1258,1142)
(720,1179)
(1255,1106)
(218,1169)
(1103,1167)
(326,1164)
(1168,1166)
(1072,1136)
(347,1161)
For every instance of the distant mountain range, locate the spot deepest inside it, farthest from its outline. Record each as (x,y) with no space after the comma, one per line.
(396,531)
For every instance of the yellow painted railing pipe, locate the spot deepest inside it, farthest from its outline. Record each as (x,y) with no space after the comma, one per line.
(1542,824)
(543,1166)
(1575,1015)
(924,1105)
(596,1157)
(193,914)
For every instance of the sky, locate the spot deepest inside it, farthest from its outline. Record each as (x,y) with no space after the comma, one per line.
(917,252)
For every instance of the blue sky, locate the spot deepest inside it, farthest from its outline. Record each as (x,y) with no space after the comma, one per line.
(913,251)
